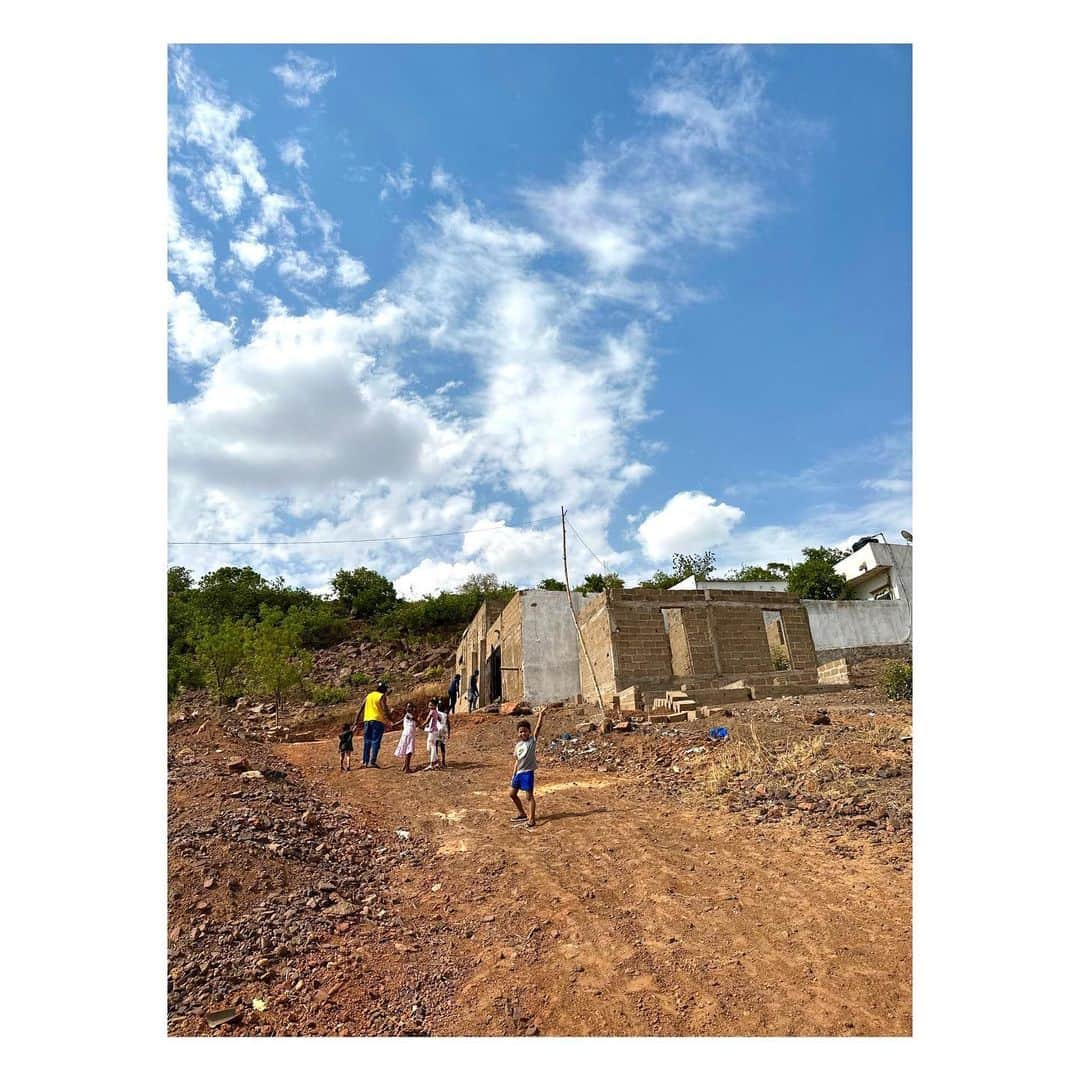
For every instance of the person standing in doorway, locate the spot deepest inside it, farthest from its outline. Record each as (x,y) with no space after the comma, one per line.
(376,715)
(474,690)
(452,693)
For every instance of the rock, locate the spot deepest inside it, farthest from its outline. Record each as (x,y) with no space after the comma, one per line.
(343,908)
(515,708)
(251,774)
(238,765)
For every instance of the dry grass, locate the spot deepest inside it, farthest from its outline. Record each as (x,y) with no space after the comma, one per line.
(804,767)
(881,732)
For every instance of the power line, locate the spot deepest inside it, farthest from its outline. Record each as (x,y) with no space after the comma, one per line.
(365,540)
(603,565)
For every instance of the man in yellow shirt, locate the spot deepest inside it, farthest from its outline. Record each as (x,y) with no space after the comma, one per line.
(375,713)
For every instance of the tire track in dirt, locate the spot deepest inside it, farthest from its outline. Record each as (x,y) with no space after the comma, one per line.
(624,913)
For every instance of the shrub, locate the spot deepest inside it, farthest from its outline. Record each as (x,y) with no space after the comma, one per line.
(434,613)
(896,681)
(780,660)
(361,678)
(364,593)
(184,673)
(320,627)
(329,695)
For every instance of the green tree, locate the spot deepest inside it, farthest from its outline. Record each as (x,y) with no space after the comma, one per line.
(183,669)
(756,573)
(600,582)
(662,579)
(701,566)
(364,593)
(814,578)
(552,585)
(220,651)
(484,585)
(682,566)
(180,580)
(274,661)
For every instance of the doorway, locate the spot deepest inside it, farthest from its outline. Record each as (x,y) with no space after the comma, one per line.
(779,652)
(494,673)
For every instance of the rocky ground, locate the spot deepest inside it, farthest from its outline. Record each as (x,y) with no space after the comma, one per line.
(675,884)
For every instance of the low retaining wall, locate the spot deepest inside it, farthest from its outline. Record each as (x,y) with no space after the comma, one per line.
(867,652)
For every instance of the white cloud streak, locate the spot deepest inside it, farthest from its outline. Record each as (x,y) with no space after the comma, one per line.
(303,77)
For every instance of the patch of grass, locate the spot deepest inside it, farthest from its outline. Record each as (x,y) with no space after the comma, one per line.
(329,695)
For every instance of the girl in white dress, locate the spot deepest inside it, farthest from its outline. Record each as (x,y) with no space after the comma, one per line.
(407,743)
(432,729)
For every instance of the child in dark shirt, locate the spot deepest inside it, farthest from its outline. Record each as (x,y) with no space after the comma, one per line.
(345,747)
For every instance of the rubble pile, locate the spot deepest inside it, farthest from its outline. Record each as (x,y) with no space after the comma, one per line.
(868,787)
(278,903)
(358,663)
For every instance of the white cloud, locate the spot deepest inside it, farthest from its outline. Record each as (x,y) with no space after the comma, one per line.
(193,337)
(292,153)
(301,267)
(690,521)
(351,273)
(401,182)
(441,180)
(679,184)
(250,252)
(191,257)
(303,77)
(303,407)
(311,429)
(226,187)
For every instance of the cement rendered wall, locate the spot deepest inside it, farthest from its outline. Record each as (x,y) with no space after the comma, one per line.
(550,665)
(850,624)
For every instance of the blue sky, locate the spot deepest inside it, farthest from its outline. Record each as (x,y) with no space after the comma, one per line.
(442,288)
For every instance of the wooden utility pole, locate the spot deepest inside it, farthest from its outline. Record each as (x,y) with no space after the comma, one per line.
(573,615)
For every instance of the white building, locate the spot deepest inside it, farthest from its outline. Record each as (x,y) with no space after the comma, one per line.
(878,571)
(731,586)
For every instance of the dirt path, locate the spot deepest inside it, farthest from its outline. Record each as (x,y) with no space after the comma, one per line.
(624,913)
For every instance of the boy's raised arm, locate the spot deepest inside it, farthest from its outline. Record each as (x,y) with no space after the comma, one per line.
(539,721)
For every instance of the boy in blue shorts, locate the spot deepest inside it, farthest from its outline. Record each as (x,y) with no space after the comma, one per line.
(524,778)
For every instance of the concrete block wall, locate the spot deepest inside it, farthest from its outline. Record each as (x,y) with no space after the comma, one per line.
(505,634)
(800,640)
(595,623)
(700,641)
(472,649)
(739,630)
(635,644)
(640,640)
(834,671)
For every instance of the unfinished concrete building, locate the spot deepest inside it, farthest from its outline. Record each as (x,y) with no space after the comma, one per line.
(644,641)
(524,648)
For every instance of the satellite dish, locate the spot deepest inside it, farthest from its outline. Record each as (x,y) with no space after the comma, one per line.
(906,535)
